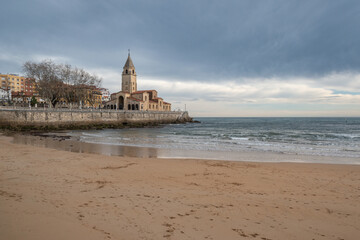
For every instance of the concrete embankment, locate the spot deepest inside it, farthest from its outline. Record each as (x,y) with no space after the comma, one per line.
(28,119)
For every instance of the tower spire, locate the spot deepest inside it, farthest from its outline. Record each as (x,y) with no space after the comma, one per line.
(129,76)
(129,62)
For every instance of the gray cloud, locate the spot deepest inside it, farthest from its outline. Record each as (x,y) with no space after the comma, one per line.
(188,40)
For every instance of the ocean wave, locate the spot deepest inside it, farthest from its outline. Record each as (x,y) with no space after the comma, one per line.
(325,137)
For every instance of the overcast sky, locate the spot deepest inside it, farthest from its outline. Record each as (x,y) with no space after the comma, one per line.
(220,58)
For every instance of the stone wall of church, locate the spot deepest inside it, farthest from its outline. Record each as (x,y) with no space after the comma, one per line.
(81,118)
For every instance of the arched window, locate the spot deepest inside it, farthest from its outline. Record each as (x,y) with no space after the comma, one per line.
(121,102)
(133,71)
(126,71)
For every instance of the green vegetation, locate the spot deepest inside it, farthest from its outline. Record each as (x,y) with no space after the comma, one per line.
(33,101)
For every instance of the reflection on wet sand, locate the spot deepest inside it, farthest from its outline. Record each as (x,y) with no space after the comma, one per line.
(61,143)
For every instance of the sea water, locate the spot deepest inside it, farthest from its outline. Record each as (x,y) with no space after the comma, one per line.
(337,137)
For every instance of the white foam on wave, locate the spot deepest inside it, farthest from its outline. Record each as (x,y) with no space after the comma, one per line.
(240,138)
(213,136)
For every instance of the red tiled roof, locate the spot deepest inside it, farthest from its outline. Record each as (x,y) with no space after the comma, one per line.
(22,94)
(167,103)
(137,92)
(117,93)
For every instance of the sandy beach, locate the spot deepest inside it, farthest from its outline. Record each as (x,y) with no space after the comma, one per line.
(53,194)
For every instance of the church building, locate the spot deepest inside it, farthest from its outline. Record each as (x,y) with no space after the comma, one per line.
(129,98)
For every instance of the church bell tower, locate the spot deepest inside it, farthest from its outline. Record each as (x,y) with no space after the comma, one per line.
(129,83)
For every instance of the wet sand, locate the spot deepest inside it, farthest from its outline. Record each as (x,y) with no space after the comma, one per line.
(62,141)
(54,194)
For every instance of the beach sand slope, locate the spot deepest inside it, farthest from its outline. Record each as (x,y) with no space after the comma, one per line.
(52,194)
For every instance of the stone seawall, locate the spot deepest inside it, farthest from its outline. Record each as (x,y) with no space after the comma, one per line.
(63,119)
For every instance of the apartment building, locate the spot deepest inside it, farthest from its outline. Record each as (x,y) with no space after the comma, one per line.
(105,94)
(12,82)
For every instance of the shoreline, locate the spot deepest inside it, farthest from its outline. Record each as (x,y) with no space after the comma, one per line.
(47,193)
(62,141)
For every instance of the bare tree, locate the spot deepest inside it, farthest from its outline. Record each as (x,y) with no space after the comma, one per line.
(65,75)
(60,81)
(84,83)
(47,80)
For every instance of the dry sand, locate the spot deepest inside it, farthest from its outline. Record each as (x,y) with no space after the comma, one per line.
(51,194)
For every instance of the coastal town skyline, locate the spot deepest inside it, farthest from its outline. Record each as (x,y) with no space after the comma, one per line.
(241,58)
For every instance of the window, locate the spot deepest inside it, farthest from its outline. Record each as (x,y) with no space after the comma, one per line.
(133,71)
(126,71)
